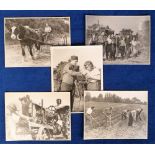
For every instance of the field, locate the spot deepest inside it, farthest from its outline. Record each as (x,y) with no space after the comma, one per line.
(143,58)
(120,128)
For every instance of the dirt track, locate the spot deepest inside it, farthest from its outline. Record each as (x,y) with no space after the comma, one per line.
(143,58)
(14,58)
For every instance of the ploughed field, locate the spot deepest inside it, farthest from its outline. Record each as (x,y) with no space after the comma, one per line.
(120,128)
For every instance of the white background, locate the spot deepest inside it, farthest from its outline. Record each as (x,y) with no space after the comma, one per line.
(77,4)
(77,149)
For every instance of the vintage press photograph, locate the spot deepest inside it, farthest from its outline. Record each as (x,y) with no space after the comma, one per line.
(28,39)
(37,116)
(116,115)
(125,39)
(75,69)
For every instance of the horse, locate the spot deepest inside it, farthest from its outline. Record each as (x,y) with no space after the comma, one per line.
(27,37)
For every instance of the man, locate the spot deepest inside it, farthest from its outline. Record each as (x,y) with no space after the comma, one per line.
(128,45)
(122,47)
(89,116)
(113,47)
(131,119)
(70,72)
(108,47)
(117,44)
(138,114)
(90,111)
(125,114)
(47,30)
(108,116)
(58,101)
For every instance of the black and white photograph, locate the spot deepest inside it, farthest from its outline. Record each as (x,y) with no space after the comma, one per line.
(75,69)
(125,39)
(37,116)
(116,115)
(28,39)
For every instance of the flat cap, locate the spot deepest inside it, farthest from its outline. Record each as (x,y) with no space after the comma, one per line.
(74,57)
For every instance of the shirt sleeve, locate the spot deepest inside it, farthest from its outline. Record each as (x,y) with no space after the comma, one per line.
(67,70)
(89,111)
(95,74)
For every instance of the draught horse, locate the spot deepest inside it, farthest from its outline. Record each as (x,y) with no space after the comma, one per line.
(27,37)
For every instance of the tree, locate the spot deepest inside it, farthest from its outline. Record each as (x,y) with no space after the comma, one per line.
(125,32)
(87,97)
(100,98)
(136,100)
(94,99)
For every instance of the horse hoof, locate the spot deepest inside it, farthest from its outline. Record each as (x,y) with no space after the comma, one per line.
(33,58)
(24,60)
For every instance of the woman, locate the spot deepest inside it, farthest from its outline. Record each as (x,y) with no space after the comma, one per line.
(93,76)
(134,46)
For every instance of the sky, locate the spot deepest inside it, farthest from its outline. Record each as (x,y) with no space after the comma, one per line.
(142,95)
(84,53)
(49,98)
(118,22)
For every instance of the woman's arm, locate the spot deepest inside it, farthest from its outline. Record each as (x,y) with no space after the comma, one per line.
(94,75)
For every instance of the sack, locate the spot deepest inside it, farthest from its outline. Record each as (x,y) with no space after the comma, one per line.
(58,75)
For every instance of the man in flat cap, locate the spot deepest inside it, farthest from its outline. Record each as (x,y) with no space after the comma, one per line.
(70,71)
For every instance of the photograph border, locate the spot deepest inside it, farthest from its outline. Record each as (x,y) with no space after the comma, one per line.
(84,138)
(150,36)
(5,95)
(33,17)
(52,80)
